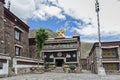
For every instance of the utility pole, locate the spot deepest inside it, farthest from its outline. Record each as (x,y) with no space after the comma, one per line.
(99,35)
(9,5)
(101,70)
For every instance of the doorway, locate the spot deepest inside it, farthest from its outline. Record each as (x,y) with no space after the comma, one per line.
(59,62)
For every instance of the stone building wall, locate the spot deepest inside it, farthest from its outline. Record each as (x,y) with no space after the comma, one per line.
(93,60)
(25,42)
(1,28)
(7,40)
(32,47)
(32,51)
(110,61)
(84,63)
(8,23)
(10,41)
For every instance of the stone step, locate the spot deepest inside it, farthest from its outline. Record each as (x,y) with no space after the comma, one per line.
(58,70)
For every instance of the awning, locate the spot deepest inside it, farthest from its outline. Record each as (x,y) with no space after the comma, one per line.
(59,50)
(110,47)
(110,60)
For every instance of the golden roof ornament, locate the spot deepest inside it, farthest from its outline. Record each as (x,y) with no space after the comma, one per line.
(60,32)
(25,21)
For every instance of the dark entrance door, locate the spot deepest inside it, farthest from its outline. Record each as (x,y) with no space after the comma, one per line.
(59,62)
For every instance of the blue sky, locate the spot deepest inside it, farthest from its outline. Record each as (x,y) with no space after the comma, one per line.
(73,15)
(54,23)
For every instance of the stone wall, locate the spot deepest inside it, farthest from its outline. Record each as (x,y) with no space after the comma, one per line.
(9,37)
(9,23)
(32,51)
(1,9)
(7,41)
(1,28)
(23,70)
(84,63)
(25,42)
(19,71)
(10,41)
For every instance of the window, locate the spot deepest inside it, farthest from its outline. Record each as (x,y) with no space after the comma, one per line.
(110,53)
(111,66)
(17,34)
(17,51)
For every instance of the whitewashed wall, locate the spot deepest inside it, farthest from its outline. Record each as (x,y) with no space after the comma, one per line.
(17,66)
(5,65)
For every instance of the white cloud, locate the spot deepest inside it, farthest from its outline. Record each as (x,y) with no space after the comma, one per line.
(45,11)
(35,8)
(39,14)
(87,31)
(23,9)
(85,10)
(67,36)
(92,39)
(78,9)
(110,17)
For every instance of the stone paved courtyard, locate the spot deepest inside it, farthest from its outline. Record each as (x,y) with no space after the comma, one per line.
(63,76)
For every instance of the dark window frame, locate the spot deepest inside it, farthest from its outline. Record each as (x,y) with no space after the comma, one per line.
(116,52)
(18,32)
(19,51)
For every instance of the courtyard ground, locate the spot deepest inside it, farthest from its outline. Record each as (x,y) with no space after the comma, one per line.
(63,76)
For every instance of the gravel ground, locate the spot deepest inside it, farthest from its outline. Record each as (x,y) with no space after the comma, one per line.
(63,76)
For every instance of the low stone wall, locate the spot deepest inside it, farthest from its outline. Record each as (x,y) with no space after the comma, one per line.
(37,70)
(23,70)
(113,72)
(3,75)
(23,65)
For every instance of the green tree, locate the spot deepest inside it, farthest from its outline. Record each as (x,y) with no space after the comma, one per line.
(41,36)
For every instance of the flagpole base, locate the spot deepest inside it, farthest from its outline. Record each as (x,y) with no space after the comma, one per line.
(101,71)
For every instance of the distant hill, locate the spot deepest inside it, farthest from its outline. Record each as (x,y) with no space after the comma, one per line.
(85,46)
(85,49)
(32,33)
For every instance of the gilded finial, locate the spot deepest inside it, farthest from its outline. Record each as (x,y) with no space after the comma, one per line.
(25,21)
(60,32)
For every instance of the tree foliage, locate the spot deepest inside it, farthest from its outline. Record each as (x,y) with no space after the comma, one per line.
(41,36)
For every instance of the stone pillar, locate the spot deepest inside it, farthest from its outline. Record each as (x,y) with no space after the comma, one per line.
(100,69)
(97,59)
(15,65)
(79,60)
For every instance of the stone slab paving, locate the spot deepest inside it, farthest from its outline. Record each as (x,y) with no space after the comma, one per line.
(63,76)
